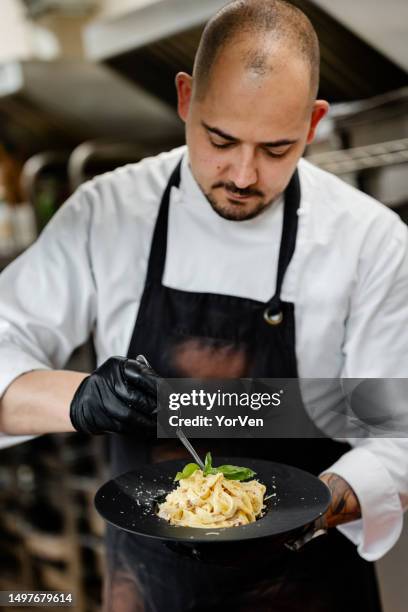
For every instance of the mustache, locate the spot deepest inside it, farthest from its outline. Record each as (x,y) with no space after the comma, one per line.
(234,189)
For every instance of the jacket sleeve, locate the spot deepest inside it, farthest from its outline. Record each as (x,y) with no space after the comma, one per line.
(376,346)
(47,296)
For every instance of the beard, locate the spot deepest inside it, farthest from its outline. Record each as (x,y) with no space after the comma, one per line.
(236,212)
(239,211)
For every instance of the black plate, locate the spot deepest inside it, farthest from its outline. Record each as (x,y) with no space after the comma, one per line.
(130,502)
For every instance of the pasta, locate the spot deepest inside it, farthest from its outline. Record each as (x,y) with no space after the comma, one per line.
(213,501)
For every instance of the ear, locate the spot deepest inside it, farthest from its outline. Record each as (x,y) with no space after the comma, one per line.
(184,86)
(320,110)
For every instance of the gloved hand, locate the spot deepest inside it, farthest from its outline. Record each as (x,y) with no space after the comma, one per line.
(118,397)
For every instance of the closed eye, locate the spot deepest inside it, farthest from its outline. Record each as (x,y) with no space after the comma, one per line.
(225,145)
(268,152)
(274,154)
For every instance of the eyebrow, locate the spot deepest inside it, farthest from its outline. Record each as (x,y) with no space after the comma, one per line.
(274,143)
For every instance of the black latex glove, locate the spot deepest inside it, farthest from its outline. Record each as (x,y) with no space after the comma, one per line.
(119,397)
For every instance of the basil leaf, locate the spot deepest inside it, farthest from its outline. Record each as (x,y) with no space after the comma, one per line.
(234,472)
(208,465)
(244,474)
(188,470)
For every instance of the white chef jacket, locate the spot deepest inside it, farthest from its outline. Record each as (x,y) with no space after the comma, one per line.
(348,280)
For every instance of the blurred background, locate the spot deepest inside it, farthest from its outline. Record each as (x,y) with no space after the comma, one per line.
(86,86)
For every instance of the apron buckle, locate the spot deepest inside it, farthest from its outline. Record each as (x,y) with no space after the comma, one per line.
(273,318)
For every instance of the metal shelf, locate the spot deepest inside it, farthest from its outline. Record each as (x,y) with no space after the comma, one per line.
(348,161)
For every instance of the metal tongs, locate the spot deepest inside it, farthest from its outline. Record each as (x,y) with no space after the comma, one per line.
(183,439)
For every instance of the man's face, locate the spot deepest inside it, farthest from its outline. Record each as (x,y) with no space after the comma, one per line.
(247,132)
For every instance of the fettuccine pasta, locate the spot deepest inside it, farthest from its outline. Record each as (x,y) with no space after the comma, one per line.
(213,501)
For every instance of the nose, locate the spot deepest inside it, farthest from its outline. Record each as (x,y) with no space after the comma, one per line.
(244,171)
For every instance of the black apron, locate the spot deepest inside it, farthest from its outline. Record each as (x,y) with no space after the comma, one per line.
(203,335)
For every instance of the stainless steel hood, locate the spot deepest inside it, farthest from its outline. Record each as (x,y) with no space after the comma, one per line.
(63,103)
(149,44)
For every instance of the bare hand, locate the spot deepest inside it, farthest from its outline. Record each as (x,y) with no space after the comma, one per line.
(344,506)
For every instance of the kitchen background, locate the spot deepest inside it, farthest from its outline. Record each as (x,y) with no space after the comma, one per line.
(87,85)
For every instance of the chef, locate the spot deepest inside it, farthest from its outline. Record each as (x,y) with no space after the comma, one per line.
(229,257)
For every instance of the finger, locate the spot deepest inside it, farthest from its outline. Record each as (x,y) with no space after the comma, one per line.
(145,366)
(142,360)
(145,405)
(130,410)
(136,399)
(140,377)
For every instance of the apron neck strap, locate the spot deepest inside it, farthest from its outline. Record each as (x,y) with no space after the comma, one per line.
(289,232)
(158,250)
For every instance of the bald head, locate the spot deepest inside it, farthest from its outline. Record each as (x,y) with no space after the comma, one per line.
(265,33)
